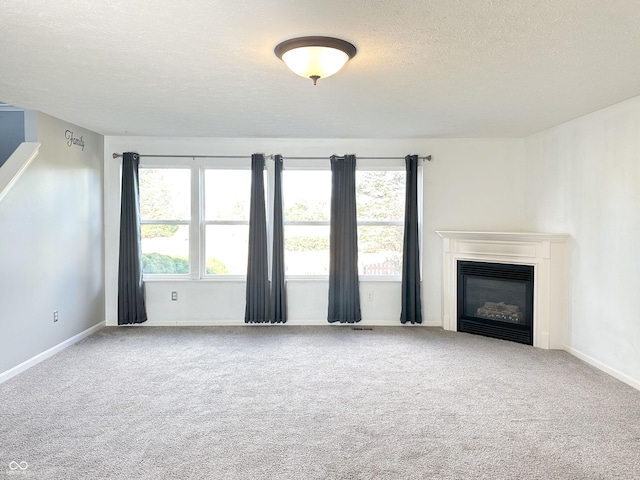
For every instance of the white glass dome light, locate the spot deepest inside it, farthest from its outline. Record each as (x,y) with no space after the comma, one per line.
(310,62)
(315,57)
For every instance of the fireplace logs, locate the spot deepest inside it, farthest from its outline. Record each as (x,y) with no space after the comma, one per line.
(501,311)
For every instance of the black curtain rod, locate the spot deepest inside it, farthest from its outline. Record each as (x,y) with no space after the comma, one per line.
(118,155)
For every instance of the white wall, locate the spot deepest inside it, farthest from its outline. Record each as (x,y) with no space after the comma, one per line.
(51,246)
(583,178)
(470,184)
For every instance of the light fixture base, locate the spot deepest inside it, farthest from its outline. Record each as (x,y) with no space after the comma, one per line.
(328,42)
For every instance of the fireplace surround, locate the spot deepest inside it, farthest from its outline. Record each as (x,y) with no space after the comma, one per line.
(544,253)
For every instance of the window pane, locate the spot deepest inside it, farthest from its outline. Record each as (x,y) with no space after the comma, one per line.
(165,249)
(227,249)
(306,195)
(380,250)
(306,250)
(380,195)
(227,194)
(165,193)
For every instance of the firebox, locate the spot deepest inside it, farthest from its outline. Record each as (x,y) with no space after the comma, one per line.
(496,300)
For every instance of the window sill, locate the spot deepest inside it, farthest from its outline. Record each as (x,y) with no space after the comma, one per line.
(181,278)
(243,278)
(362,278)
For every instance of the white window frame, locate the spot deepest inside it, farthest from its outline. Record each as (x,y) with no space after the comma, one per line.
(366,165)
(308,165)
(381,165)
(197,223)
(189,223)
(204,222)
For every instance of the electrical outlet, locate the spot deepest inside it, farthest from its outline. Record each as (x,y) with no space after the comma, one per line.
(55,316)
(369,296)
(174,296)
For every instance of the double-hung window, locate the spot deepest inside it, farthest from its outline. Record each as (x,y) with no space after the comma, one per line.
(380,197)
(227,194)
(165,211)
(194,220)
(307,202)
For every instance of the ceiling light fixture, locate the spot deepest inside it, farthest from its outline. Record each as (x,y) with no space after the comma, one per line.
(315,57)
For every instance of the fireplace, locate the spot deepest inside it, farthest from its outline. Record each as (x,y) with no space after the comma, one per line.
(545,253)
(496,300)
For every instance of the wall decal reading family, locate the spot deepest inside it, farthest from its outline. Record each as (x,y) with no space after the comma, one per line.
(71,140)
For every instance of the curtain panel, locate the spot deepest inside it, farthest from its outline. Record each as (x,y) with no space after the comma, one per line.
(411,303)
(278,286)
(257,306)
(131,305)
(344,288)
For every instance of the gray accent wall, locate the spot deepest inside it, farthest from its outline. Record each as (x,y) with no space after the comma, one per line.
(11,133)
(52,244)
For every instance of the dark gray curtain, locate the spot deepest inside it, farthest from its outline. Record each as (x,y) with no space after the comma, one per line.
(411,304)
(131,307)
(257,307)
(344,289)
(278,287)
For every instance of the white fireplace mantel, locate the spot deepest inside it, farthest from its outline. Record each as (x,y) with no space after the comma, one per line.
(546,252)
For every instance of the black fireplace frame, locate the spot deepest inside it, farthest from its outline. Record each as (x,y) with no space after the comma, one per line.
(520,333)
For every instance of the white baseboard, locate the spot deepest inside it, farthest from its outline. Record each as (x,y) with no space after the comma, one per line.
(12,372)
(601,366)
(426,323)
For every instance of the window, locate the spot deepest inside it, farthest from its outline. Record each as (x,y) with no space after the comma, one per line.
(227,194)
(165,211)
(195,218)
(307,202)
(380,198)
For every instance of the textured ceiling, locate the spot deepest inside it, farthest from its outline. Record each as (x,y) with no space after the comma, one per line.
(437,68)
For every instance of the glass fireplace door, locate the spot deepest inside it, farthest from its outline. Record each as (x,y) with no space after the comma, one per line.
(496,300)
